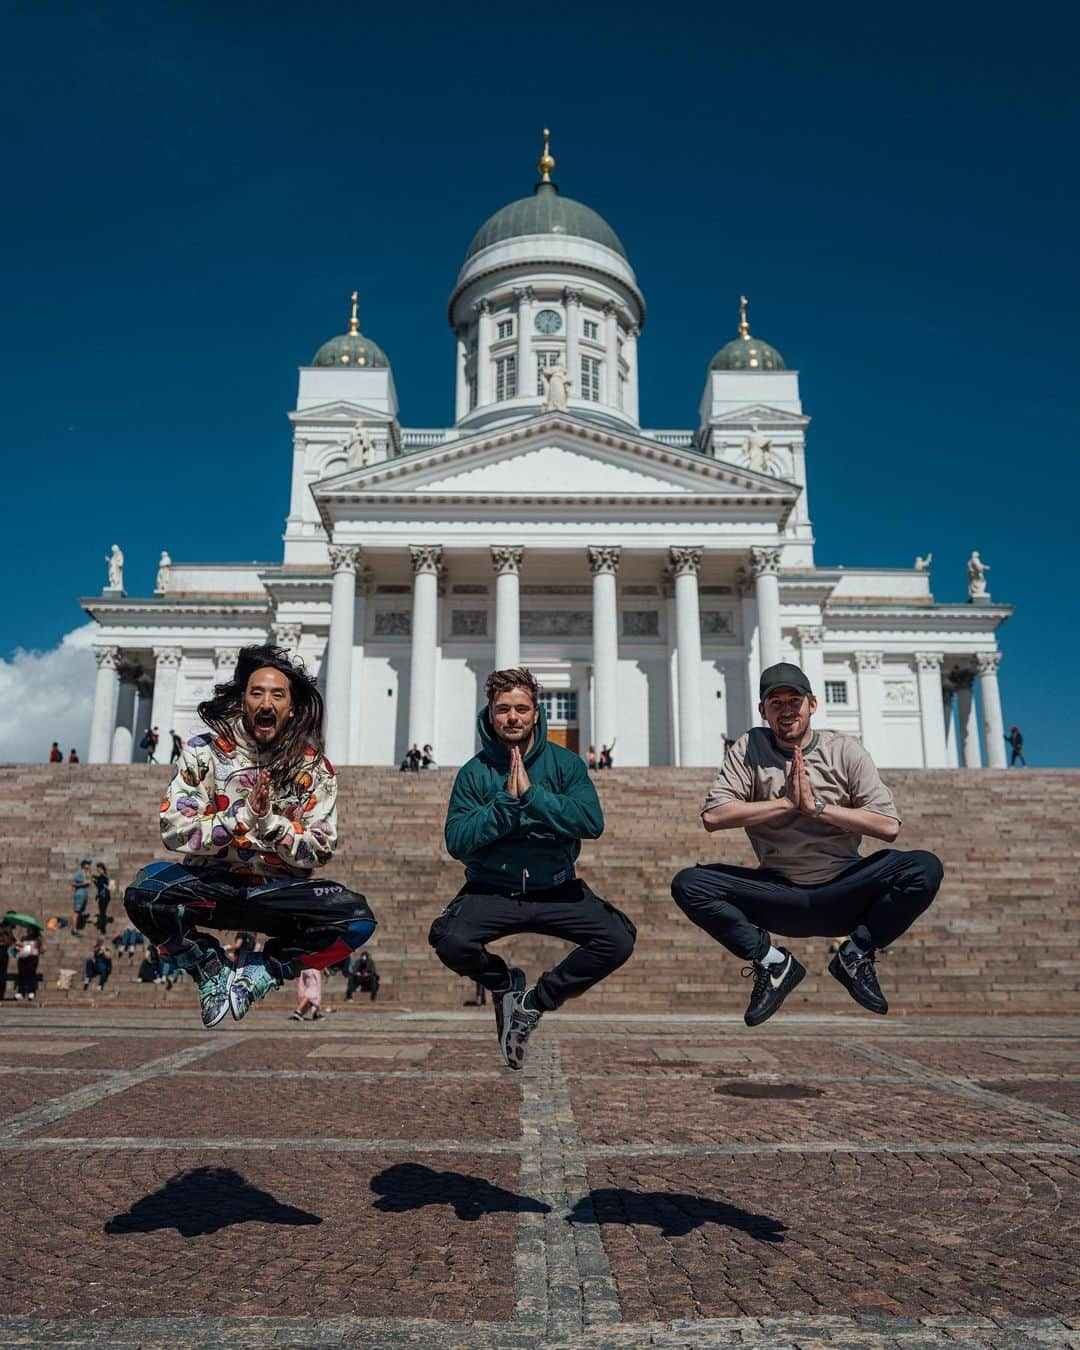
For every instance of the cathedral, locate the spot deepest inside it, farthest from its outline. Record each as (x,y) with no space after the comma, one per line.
(645,575)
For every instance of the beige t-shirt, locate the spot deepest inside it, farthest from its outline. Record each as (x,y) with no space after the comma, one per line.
(806,850)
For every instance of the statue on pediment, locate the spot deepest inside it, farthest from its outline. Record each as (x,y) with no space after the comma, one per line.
(359,447)
(115,560)
(923,564)
(557,386)
(976,575)
(759,455)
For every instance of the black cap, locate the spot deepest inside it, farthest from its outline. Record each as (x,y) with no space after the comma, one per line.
(783,676)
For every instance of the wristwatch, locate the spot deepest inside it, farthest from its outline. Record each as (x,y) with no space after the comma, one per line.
(819,805)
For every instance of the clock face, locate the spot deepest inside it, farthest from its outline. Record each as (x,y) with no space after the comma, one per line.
(548,321)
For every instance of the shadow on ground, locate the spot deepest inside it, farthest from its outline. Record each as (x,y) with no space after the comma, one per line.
(206,1200)
(408,1186)
(675,1215)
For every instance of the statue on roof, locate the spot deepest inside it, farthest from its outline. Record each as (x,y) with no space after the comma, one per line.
(759,455)
(976,575)
(359,447)
(557,386)
(161,585)
(923,564)
(115,560)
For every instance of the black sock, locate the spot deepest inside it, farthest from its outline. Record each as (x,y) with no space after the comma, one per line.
(528,1001)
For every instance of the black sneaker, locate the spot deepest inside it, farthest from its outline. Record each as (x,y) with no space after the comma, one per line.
(519,1024)
(502,999)
(772,984)
(859,978)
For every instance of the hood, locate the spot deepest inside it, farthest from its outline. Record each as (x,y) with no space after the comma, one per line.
(496,753)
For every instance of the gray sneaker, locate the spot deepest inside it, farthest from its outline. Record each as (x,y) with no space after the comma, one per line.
(214,978)
(503,998)
(519,1024)
(251,981)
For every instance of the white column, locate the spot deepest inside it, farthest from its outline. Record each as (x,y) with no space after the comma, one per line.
(604,563)
(868,679)
(812,661)
(122,738)
(426,560)
(948,711)
(163,711)
(104,714)
(484,373)
(931,710)
(685,564)
(506,560)
(358,692)
(630,353)
(986,663)
(672,630)
(765,565)
(526,375)
(461,383)
(344,559)
(752,646)
(572,300)
(965,716)
(611,345)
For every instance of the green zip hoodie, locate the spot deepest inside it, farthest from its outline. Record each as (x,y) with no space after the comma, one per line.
(529,842)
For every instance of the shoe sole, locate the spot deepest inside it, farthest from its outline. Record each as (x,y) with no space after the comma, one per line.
(507,1005)
(499,1007)
(795,978)
(840,975)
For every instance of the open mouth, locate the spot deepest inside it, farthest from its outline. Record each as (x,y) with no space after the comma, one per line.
(265,721)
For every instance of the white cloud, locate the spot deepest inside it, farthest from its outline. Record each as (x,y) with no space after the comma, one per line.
(46,697)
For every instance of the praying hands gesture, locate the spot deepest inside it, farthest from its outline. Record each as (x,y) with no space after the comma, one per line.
(259,796)
(798,790)
(517,780)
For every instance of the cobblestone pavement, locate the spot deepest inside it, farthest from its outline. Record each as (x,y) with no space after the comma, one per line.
(840,1181)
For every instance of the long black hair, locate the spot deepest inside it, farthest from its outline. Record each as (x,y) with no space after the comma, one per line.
(301,734)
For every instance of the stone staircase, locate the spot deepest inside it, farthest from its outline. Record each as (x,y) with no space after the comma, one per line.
(1001,936)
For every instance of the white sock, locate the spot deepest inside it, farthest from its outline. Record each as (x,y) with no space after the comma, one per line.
(773,957)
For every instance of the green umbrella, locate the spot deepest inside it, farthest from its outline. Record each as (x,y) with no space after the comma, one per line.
(27,920)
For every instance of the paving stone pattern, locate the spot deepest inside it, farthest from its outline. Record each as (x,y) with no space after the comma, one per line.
(816,1182)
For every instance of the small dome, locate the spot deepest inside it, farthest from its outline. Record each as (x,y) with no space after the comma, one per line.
(545,212)
(351,348)
(746,352)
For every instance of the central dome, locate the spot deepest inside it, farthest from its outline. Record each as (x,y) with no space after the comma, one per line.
(545,212)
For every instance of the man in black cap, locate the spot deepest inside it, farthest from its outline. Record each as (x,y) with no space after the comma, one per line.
(805,798)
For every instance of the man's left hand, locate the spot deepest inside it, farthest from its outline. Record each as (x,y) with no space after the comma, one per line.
(804,797)
(259,796)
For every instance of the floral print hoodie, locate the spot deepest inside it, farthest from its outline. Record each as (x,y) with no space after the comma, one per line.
(206,815)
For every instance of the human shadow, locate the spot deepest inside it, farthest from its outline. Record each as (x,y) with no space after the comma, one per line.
(675,1215)
(408,1186)
(205,1200)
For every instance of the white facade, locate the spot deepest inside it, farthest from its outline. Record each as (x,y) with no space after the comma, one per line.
(645,576)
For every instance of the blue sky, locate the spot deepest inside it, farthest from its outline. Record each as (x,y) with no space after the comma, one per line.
(195,190)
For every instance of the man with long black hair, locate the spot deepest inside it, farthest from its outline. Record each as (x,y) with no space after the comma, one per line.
(252,806)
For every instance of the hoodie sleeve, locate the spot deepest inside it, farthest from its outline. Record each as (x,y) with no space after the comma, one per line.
(194,819)
(472,822)
(575,812)
(307,835)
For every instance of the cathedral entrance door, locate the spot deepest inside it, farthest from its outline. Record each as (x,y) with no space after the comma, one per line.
(560,705)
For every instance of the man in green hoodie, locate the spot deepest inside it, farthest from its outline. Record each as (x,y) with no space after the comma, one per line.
(517,815)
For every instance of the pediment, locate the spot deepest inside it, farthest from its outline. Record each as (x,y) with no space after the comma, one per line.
(560,456)
(761,413)
(341,411)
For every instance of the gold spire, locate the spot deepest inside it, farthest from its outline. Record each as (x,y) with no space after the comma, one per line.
(546,162)
(744,327)
(354,322)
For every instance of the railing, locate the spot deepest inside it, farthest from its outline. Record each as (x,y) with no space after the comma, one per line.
(422,439)
(681,440)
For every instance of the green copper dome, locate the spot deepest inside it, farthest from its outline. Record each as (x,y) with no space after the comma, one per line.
(545,212)
(351,348)
(746,352)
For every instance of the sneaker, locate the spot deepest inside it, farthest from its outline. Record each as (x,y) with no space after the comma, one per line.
(772,984)
(251,982)
(503,998)
(519,1023)
(296,1016)
(213,976)
(859,978)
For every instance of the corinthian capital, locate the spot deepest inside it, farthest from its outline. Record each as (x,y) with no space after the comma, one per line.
(507,558)
(168,657)
(225,657)
(345,557)
(764,562)
(929,662)
(107,658)
(811,636)
(288,635)
(425,558)
(986,663)
(524,295)
(685,560)
(868,661)
(603,558)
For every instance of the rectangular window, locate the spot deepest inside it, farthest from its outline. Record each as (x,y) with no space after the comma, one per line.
(591,329)
(836,691)
(505,329)
(544,361)
(560,706)
(590,379)
(505,378)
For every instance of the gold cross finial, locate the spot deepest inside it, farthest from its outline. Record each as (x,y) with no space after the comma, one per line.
(744,327)
(354,322)
(546,162)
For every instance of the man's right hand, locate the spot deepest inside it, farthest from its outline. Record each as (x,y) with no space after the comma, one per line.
(793,787)
(513,786)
